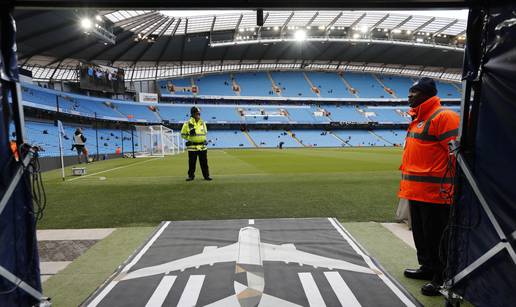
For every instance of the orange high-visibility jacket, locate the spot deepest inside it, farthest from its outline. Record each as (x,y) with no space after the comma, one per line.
(426,156)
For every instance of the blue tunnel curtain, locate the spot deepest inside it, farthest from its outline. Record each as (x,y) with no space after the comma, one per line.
(18,247)
(489,145)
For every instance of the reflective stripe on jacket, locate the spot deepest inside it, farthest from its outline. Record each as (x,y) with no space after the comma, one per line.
(194,132)
(425,156)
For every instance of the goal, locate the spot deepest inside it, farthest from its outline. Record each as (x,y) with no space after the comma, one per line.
(157,141)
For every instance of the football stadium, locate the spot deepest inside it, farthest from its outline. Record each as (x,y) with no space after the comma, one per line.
(350,154)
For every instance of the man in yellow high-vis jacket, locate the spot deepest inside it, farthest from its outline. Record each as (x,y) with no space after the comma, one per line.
(194,131)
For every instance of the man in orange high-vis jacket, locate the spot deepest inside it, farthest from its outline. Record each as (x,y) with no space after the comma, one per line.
(425,180)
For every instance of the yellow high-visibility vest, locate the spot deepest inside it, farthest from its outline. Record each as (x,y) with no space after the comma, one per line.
(194,132)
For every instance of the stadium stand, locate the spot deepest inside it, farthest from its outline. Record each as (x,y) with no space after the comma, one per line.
(45,135)
(292,84)
(216,85)
(227,139)
(313,85)
(366,85)
(447,90)
(360,138)
(329,84)
(254,84)
(305,114)
(222,113)
(174,112)
(392,137)
(387,114)
(137,112)
(179,86)
(272,138)
(398,85)
(317,138)
(219,113)
(299,84)
(345,113)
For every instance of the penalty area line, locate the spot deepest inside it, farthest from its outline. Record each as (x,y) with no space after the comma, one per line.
(112,169)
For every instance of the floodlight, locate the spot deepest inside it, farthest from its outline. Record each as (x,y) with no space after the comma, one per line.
(356,35)
(97,29)
(86,23)
(321,28)
(300,35)
(397,31)
(98,17)
(276,28)
(419,40)
(364,29)
(241,30)
(409,32)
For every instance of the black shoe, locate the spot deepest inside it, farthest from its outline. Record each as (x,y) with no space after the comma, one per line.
(418,274)
(208,178)
(189,178)
(430,289)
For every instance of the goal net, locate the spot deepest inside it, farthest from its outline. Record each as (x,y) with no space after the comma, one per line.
(157,141)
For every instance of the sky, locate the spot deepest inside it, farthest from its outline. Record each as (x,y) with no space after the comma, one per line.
(461,14)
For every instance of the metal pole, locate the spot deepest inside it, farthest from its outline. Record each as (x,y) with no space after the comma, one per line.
(122,139)
(161,138)
(96,135)
(132,140)
(60,133)
(57,106)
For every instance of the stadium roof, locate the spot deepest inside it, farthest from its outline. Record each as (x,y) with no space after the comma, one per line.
(153,38)
(302,19)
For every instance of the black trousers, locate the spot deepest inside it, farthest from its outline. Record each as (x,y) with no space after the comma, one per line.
(428,226)
(203,160)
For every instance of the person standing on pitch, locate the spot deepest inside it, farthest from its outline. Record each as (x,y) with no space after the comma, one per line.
(194,131)
(79,144)
(426,181)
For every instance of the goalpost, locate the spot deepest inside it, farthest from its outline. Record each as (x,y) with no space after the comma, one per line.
(157,141)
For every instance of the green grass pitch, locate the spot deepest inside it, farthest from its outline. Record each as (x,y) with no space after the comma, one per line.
(352,184)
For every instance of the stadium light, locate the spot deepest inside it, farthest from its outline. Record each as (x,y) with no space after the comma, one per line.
(300,35)
(98,17)
(419,40)
(356,35)
(409,32)
(364,29)
(86,23)
(397,31)
(276,28)
(89,27)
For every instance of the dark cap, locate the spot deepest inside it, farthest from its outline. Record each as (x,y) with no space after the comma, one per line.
(426,86)
(194,110)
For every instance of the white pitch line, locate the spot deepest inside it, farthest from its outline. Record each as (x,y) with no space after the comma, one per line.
(191,292)
(161,292)
(112,169)
(311,291)
(341,290)
(146,247)
(208,248)
(136,258)
(370,263)
(103,294)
